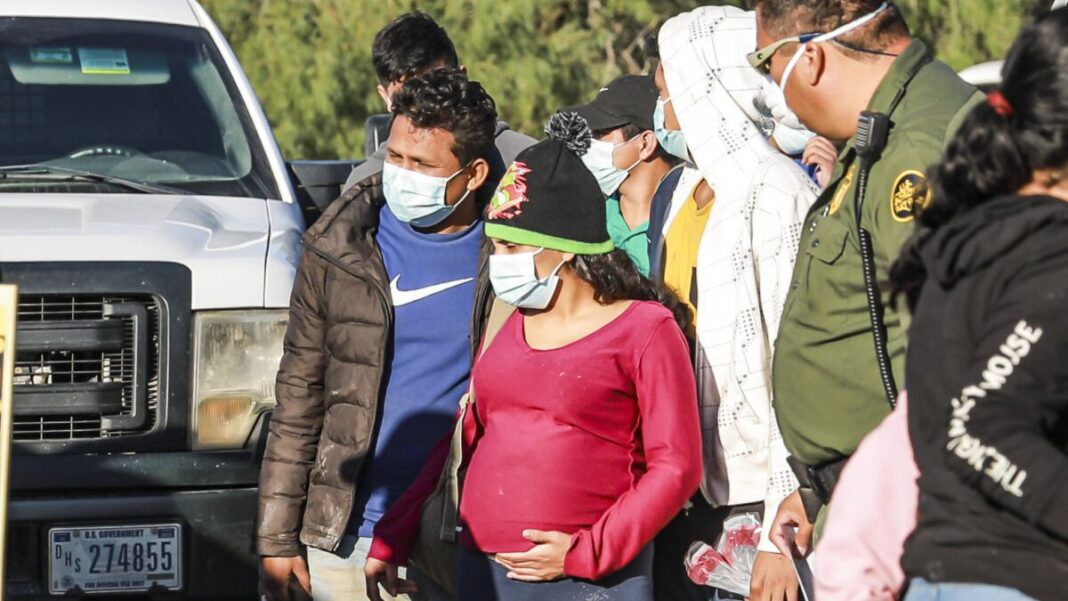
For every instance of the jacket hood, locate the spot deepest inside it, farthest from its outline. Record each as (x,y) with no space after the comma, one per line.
(726,108)
(974,240)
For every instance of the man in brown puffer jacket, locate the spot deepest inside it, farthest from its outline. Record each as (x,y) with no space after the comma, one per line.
(386,311)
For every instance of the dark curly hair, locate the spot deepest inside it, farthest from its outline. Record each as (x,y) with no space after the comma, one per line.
(445,99)
(410,44)
(996,154)
(615,278)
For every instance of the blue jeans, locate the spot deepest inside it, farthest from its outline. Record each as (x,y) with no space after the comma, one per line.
(339,576)
(482,579)
(921,590)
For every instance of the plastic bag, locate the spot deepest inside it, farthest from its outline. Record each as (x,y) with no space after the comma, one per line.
(729,565)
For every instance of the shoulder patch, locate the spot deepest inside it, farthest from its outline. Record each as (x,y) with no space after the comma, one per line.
(909,195)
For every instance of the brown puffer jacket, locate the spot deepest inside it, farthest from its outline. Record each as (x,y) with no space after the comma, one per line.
(328,385)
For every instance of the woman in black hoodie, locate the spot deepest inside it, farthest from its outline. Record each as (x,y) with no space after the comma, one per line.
(987,370)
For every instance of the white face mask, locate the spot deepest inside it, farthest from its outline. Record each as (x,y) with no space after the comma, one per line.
(412,195)
(600,160)
(826,37)
(515,280)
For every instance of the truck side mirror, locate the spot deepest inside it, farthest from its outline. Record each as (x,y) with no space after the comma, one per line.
(318,183)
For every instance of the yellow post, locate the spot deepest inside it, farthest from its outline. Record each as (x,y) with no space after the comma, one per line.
(8,313)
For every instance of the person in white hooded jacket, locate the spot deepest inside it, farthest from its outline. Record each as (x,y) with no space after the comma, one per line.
(727,112)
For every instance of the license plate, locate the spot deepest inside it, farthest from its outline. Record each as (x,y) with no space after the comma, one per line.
(110,559)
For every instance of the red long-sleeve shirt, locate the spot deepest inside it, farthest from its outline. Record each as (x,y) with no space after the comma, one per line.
(598,439)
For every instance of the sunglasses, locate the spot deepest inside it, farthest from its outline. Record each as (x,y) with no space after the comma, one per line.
(761,59)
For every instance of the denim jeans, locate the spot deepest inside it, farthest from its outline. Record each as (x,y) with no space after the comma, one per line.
(482,579)
(339,576)
(922,590)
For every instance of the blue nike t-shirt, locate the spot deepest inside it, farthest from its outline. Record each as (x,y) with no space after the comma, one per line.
(432,282)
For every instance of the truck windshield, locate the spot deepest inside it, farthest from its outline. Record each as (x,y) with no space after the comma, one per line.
(142,102)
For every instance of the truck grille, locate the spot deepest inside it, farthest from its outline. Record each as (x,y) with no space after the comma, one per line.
(81,363)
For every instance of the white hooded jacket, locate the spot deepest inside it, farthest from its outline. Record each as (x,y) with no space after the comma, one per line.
(746,255)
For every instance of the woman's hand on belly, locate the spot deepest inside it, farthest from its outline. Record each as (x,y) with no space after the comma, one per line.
(543,563)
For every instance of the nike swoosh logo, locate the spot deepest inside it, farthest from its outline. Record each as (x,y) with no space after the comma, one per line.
(407,297)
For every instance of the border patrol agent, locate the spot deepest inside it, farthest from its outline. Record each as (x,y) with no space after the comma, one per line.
(827,383)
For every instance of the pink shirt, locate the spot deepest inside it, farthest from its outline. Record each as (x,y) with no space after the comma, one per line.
(873,511)
(598,439)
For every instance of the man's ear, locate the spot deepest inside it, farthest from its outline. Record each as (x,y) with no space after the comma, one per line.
(815,61)
(479,170)
(463,69)
(649,145)
(385,97)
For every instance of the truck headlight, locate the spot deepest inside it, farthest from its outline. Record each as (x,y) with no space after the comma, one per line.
(235,360)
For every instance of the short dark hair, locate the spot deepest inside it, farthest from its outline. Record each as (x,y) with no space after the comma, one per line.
(792,17)
(629,131)
(410,44)
(445,99)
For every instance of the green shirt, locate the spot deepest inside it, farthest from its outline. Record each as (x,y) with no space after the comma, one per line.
(826,382)
(635,242)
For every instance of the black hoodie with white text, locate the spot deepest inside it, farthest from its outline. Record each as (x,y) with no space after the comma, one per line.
(987,375)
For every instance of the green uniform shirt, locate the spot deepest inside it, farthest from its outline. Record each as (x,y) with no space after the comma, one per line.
(827,388)
(635,242)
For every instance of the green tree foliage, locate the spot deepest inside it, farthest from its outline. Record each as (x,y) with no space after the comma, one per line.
(310,60)
(966,32)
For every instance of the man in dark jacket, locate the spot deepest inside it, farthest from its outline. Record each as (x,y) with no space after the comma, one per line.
(411,45)
(386,307)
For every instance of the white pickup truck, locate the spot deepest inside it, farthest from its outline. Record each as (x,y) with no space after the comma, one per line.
(153,229)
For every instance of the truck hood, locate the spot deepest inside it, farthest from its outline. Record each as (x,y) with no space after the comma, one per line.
(223,241)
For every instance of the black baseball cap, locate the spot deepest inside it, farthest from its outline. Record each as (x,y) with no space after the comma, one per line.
(628,99)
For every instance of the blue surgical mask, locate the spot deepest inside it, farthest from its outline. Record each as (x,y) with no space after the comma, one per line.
(789,134)
(515,280)
(600,160)
(670,140)
(790,140)
(412,195)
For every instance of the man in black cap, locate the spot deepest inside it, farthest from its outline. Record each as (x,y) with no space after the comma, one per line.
(629,164)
